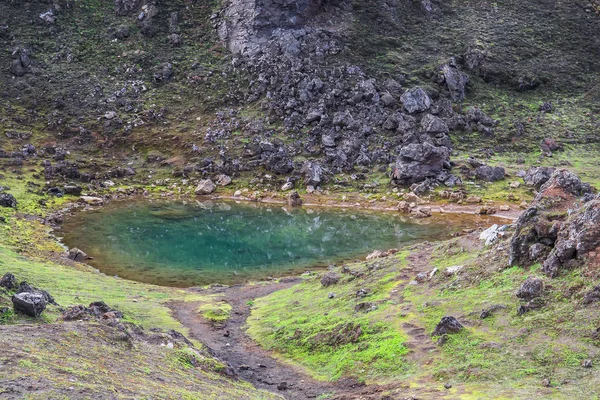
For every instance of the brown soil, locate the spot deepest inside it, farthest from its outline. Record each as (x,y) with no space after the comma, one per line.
(264,370)
(249,361)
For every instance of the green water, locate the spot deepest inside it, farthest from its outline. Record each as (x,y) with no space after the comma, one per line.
(176,244)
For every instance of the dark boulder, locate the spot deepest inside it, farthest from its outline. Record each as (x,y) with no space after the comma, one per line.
(24,287)
(567,181)
(537,176)
(530,289)
(455,79)
(578,237)
(415,100)
(419,161)
(32,304)
(447,325)
(490,174)
(545,221)
(313,173)
(8,200)
(433,125)
(72,190)
(330,278)
(75,313)
(8,281)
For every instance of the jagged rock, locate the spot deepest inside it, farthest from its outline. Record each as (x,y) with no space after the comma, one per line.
(388,100)
(329,278)
(419,161)
(539,252)
(223,180)
(491,235)
(32,304)
(313,173)
(577,237)
(77,255)
(490,174)
(8,281)
(75,313)
(205,187)
(415,100)
(567,181)
(446,326)
(48,16)
(24,287)
(8,200)
(293,199)
(434,125)
(455,79)
(530,289)
(98,309)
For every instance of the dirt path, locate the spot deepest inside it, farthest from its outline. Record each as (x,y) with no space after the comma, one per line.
(251,362)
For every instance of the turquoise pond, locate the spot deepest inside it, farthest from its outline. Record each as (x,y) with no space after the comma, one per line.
(199,243)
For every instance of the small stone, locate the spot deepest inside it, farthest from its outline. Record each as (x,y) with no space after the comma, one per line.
(587,363)
(331,295)
(237,193)
(447,325)
(8,200)
(448,386)
(310,189)
(8,281)
(293,199)
(287,186)
(282,386)
(530,289)
(329,278)
(77,255)
(170,345)
(244,367)
(546,382)
(92,201)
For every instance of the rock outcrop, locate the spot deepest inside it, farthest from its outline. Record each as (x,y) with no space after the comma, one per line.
(560,227)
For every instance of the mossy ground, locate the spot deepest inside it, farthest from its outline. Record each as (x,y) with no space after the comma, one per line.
(85,359)
(502,356)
